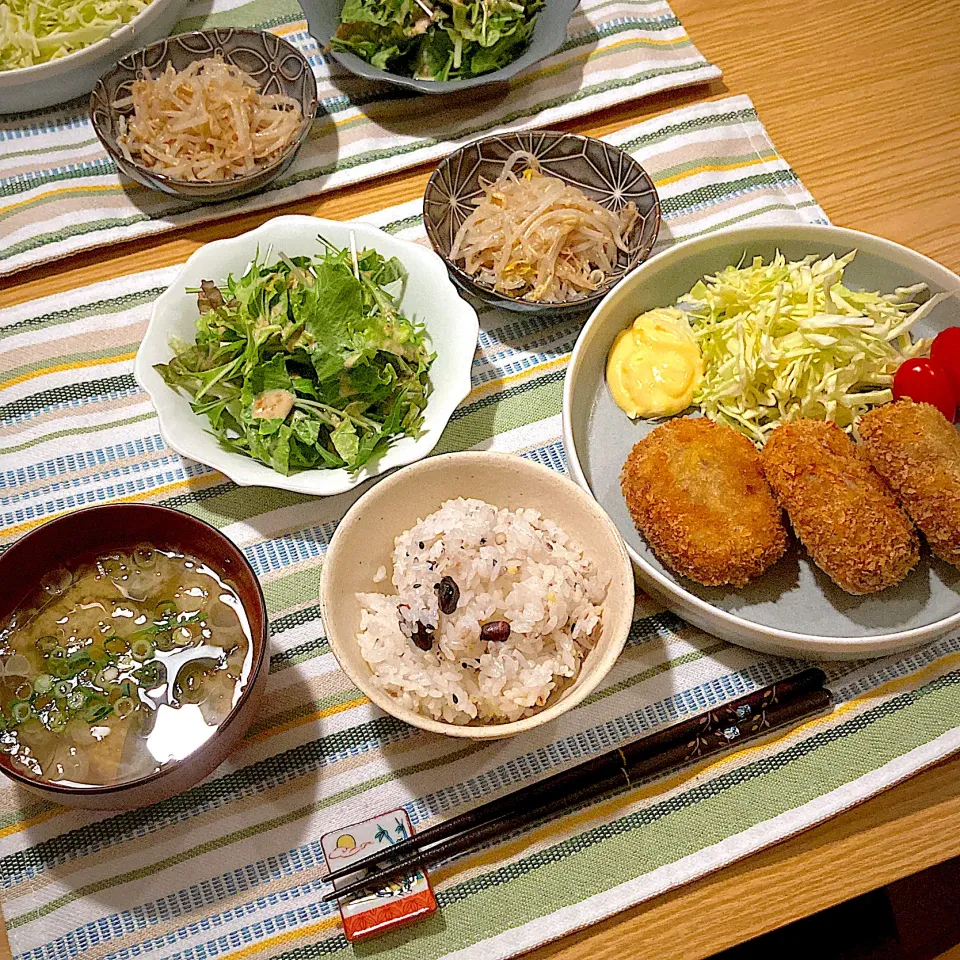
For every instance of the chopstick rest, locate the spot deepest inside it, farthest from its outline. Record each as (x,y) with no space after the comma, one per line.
(393,903)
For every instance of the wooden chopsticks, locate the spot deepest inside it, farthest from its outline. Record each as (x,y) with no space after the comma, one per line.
(707,733)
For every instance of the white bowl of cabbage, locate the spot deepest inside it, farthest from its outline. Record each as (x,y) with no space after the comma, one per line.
(55,53)
(308,355)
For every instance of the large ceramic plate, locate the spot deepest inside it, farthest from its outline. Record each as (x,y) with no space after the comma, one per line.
(429,297)
(794,608)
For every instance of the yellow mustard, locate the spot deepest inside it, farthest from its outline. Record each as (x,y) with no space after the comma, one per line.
(654,366)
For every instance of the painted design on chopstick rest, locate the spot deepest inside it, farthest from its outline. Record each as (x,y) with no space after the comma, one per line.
(396,902)
(346,847)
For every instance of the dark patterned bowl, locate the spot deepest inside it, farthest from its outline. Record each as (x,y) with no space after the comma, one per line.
(549,34)
(273,63)
(605,173)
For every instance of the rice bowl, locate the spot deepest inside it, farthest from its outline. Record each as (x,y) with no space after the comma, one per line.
(460,575)
(360,562)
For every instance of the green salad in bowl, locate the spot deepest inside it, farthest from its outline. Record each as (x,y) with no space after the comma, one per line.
(307,362)
(437,39)
(308,355)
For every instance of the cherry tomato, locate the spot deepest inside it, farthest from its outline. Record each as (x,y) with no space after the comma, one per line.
(946,351)
(924,381)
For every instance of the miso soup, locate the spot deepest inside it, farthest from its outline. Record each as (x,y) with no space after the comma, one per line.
(120,665)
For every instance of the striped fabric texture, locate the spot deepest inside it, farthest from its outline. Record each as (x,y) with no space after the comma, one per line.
(233,868)
(60,192)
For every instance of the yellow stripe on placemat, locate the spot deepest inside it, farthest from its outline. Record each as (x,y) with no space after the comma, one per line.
(32,822)
(303,721)
(96,188)
(716,168)
(534,371)
(298,933)
(60,367)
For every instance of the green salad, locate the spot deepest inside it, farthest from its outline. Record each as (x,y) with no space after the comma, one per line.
(307,363)
(36,31)
(437,39)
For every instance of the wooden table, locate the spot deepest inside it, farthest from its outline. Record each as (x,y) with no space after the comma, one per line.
(863,99)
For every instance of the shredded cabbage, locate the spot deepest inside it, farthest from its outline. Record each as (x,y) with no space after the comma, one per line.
(35,31)
(781,341)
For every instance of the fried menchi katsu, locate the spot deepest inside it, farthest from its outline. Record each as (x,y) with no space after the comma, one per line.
(697,493)
(839,507)
(917,451)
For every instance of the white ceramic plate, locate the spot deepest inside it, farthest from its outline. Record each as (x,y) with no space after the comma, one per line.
(57,81)
(364,541)
(793,609)
(430,297)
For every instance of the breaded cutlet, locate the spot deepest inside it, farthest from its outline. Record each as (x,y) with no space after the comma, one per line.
(696,491)
(840,508)
(917,451)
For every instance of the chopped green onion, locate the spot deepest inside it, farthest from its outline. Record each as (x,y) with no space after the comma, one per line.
(96,712)
(123,707)
(58,668)
(150,675)
(189,687)
(107,675)
(46,645)
(141,649)
(62,688)
(57,722)
(20,711)
(79,660)
(76,700)
(43,683)
(165,609)
(24,691)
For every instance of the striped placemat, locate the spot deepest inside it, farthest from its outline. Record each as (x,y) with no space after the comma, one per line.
(233,868)
(60,192)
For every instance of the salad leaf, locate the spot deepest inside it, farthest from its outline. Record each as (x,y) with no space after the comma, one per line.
(781,341)
(307,363)
(437,39)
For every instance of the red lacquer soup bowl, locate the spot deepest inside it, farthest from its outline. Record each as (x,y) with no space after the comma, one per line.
(81,536)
